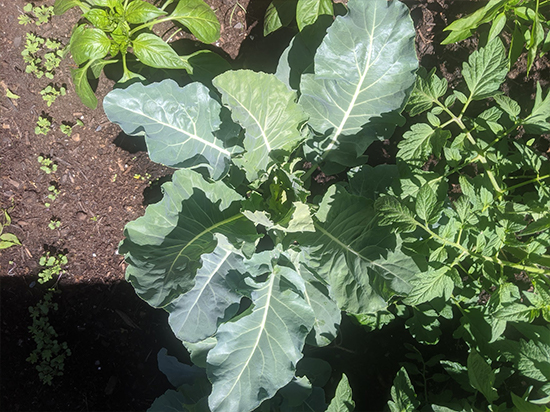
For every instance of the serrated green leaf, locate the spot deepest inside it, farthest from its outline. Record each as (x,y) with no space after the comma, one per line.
(434,283)
(508,105)
(342,401)
(308,11)
(533,360)
(421,141)
(153,51)
(270,338)
(427,206)
(538,121)
(481,376)
(496,26)
(268,112)
(163,247)
(340,98)
(486,70)
(89,44)
(516,312)
(362,263)
(427,91)
(199,18)
(403,396)
(195,315)
(179,123)
(394,213)
(139,11)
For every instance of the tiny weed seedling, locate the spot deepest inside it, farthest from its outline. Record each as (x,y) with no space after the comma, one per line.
(47,165)
(7,240)
(145,177)
(50,93)
(68,128)
(43,125)
(54,224)
(52,266)
(54,192)
(37,14)
(49,355)
(41,55)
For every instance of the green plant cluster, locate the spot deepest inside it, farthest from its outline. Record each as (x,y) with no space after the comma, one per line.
(47,165)
(254,261)
(42,56)
(37,14)
(528,22)
(7,240)
(49,354)
(116,29)
(51,92)
(52,266)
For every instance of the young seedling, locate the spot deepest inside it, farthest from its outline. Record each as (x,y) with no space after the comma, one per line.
(7,240)
(47,165)
(54,192)
(50,93)
(46,65)
(49,354)
(37,14)
(43,126)
(54,224)
(52,266)
(68,129)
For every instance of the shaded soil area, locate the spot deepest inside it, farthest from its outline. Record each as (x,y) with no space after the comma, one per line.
(104,179)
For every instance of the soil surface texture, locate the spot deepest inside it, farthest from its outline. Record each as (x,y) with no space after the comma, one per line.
(104,179)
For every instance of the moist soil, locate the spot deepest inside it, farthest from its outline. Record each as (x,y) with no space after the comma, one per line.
(105,180)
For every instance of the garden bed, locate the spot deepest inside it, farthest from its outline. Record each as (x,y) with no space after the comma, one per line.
(104,180)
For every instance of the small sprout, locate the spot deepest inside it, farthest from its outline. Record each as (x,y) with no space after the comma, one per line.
(51,93)
(54,192)
(47,165)
(54,224)
(11,95)
(42,14)
(93,218)
(113,179)
(43,126)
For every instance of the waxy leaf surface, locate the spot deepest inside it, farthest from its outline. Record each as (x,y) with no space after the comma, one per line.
(179,123)
(363,69)
(257,354)
(163,248)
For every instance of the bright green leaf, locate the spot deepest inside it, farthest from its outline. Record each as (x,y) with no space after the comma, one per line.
(403,396)
(481,376)
(308,11)
(89,44)
(434,283)
(342,401)
(153,51)
(139,11)
(199,18)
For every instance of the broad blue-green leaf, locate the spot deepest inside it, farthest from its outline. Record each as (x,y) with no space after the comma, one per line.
(371,182)
(139,11)
(170,401)
(179,123)
(485,70)
(268,112)
(538,121)
(364,68)
(403,394)
(308,11)
(429,285)
(427,91)
(153,51)
(327,314)
(89,44)
(195,315)
(176,372)
(481,376)
(199,18)
(163,247)
(257,354)
(342,401)
(361,262)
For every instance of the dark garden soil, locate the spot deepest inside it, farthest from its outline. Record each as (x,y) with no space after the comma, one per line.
(105,179)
